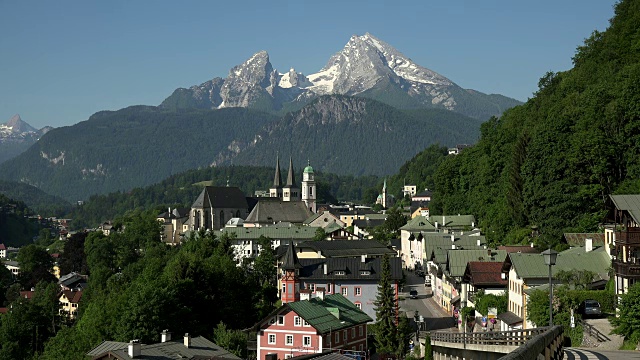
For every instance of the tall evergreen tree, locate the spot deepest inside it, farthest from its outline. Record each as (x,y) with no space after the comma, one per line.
(385,330)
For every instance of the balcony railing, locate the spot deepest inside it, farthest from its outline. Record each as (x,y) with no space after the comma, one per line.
(631,236)
(627,269)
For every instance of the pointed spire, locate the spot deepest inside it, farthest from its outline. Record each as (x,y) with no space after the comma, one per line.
(277,180)
(291,179)
(384,187)
(290,259)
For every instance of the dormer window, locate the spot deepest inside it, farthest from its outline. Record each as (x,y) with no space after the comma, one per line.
(365,272)
(339,272)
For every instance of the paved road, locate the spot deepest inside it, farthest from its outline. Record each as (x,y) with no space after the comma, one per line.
(592,354)
(435,317)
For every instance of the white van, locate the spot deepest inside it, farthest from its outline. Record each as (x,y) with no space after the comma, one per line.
(427,281)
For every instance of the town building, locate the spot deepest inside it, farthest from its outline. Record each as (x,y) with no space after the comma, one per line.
(622,241)
(3,251)
(215,206)
(324,219)
(355,278)
(174,223)
(385,199)
(312,325)
(69,302)
(245,240)
(182,348)
(527,271)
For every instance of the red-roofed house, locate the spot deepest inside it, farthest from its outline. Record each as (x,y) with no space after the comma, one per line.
(3,251)
(485,275)
(69,301)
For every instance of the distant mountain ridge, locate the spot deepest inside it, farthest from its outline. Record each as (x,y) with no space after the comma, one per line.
(141,145)
(366,67)
(16,136)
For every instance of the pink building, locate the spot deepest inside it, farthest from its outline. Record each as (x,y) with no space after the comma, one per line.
(312,325)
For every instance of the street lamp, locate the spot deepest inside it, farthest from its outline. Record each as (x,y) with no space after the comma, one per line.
(550,259)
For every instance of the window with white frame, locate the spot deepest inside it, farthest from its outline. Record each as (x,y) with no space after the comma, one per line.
(339,272)
(358,291)
(306,341)
(361,347)
(288,356)
(297,321)
(345,291)
(359,305)
(272,320)
(272,338)
(311,287)
(328,288)
(305,323)
(280,319)
(288,340)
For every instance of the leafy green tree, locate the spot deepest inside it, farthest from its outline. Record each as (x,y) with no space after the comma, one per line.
(234,341)
(73,258)
(628,323)
(485,301)
(319,235)
(395,220)
(6,280)
(35,266)
(386,332)
(578,279)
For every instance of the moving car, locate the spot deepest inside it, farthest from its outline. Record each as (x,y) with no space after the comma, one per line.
(590,308)
(413,294)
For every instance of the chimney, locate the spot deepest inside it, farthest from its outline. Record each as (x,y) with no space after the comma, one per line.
(319,254)
(305,294)
(588,245)
(320,293)
(478,242)
(436,225)
(165,336)
(134,349)
(324,268)
(187,340)
(453,246)
(363,258)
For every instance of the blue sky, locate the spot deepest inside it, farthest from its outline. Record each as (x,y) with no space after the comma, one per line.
(61,61)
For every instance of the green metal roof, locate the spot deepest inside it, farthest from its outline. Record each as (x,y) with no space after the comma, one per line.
(458,259)
(418,223)
(453,220)
(437,244)
(530,266)
(318,313)
(273,232)
(629,203)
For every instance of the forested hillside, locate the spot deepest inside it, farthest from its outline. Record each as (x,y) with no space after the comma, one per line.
(552,162)
(352,135)
(135,146)
(36,199)
(183,189)
(15,228)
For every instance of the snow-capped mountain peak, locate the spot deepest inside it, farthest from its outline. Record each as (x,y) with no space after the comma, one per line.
(363,62)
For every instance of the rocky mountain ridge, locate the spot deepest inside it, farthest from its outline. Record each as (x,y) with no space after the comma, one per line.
(366,67)
(16,136)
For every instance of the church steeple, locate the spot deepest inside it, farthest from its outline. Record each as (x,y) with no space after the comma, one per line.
(277,180)
(291,192)
(291,179)
(276,189)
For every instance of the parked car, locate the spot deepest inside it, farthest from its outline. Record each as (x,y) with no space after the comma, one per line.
(590,308)
(413,294)
(427,281)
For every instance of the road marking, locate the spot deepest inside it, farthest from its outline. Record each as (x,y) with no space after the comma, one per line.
(581,354)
